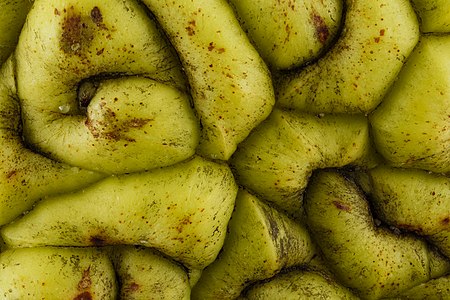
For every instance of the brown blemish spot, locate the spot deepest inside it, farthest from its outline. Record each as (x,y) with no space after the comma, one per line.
(57,13)
(133,287)
(112,129)
(321,27)
(85,281)
(191,28)
(97,241)
(382,31)
(76,32)
(341,206)
(83,296)
(212,47)
(445,221)
(96,16)
(184,222)
(137,122)
(377,39)
(11,174)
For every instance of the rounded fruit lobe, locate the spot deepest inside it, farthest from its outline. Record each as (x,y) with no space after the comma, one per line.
(56,273)
(411,127)
(372,260)
(354,75)
(288,34)
(62,46)
(181,210)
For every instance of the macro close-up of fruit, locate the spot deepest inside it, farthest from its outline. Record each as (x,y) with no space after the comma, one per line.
(214,149)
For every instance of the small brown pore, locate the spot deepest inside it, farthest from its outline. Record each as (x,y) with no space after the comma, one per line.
(83,296)
(341,206)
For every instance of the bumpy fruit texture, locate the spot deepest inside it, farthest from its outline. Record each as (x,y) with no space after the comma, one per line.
(26,176)
(413,200)
(372,260)
(299,284)
(254,228)
(288,34)
(56,273)
(355,74)
(411,128)
(230,84)
(434,289)
(277,159)
(145,274)
(182,210)
(434,15)
(83,41)
(14,13)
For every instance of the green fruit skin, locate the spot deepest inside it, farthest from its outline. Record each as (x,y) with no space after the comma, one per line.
(278,158)
(371,260)
(65,44)
(411,127)
(230,84)
(413,200)
(181,210)
(56,273)
(258,228)
(299,284)
(289,34)
(26,176)
(146,274)
(434,15)
(354,75)
(14,13)
(435,289)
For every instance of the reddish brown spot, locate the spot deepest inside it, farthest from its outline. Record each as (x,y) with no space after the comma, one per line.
(76,34)
(97,241)
(211,47)
(191,28)
(83,296)
(85,281)
(445,221)
(132,287)
(341,206)
(96,16)
(11,174)
(382,32)
(321,27)
(184,222)
(100,52)
(377,40)
(137,122)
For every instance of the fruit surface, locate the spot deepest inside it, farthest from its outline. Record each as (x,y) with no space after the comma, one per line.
(355,74)
(230,84)
(181,210)
(411,127)
(224,149)
(56,273)
(254,227)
